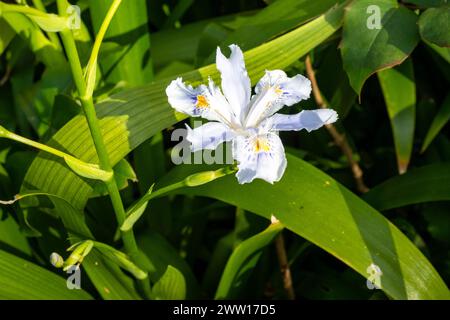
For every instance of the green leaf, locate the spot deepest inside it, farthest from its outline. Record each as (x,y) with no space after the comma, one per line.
(434,26)
(399,91)
(243,260)
(129,29)
(278,17)
(50,22)
(424,184)
(443,52)
(109,280)
(377,39)
(123,171)
(439,121)
(88,170)
(121,259)
(180,8)
(36,40)
(6,35)
(171,286)
(11,236)
(316,207)
(161,254)
(136,211)
(427,3)
(21,279)
(181,45)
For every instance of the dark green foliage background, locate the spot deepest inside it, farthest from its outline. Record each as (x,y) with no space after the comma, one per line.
(391,90)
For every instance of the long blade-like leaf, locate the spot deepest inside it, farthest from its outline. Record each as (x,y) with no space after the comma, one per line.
(21,279)
(315,206)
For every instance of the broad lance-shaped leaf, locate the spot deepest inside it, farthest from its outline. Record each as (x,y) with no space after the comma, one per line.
(425,184)
(434,26)
(316,207)
(275,19)
(22,279)
(439,121)
(171,286)
(106,276)
(399,91)
(376,36)
(243,259)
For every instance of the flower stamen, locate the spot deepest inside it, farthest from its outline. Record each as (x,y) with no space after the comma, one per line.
(201,102)
(261,145)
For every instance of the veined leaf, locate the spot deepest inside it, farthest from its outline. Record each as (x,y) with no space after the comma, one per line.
(313,205)
(171,286)
(278,17)
(424,184)
(123,171)
(21,279)
(108,279)
(434,26)
(243,259)
(399,90)
(376,37)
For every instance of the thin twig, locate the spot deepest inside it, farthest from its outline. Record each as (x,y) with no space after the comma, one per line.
(339,139)
(284,266)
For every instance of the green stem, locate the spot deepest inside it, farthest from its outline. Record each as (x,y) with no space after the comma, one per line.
(15,8)
(12,136)
(94,127)
(80,167)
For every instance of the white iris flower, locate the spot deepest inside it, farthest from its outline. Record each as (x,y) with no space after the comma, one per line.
(250,122)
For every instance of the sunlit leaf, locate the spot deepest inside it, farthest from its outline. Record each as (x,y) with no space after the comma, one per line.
(375,37)
(399,90)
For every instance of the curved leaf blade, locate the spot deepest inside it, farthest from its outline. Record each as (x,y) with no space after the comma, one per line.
(434,26)
(399,91)
(426,184)
(370,44)
(243,259)
(439,121)
(21,279)
(316,207)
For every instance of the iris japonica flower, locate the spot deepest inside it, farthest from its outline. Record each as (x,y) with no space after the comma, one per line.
(250,122)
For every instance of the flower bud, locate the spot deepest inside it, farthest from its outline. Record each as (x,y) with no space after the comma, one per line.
(56,260)
(197,179)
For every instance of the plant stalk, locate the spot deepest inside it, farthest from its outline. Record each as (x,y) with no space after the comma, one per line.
(87,103)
